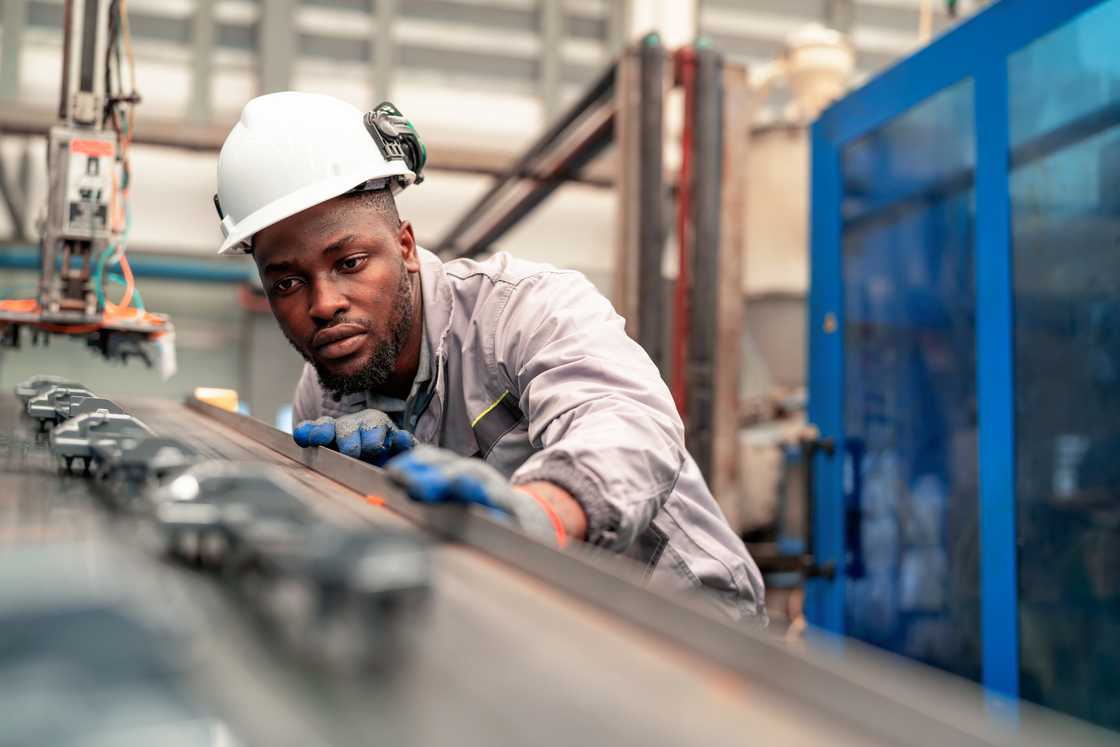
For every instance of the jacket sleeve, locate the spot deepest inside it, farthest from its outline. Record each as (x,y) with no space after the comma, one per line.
(598,410)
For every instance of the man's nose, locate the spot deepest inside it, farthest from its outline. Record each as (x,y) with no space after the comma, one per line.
(327,301)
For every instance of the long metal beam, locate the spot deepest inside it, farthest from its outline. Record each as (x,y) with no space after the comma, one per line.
(891,699)
(177,133)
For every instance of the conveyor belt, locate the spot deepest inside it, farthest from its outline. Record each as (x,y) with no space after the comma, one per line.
(503,657)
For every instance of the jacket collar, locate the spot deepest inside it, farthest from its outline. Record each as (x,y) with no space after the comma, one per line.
(438,305)
(437,302)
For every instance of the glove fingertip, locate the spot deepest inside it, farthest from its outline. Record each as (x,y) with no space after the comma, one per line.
(403,441)
(301,432)
(350,445)
(321,435)
(470,490)
(373,441)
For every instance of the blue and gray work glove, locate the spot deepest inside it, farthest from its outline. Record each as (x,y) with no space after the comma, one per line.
(433,475)
(369,435)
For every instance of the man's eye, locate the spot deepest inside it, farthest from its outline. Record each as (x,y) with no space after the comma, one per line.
(283,285)
(352,263)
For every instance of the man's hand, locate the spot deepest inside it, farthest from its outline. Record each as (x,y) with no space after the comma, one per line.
(433,475)
(369,435)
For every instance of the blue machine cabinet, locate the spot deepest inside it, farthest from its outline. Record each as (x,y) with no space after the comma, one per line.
(965,355)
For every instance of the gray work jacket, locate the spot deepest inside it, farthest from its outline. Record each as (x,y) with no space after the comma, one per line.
(534,373)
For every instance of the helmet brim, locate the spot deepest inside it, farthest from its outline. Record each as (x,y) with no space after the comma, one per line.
(237,241)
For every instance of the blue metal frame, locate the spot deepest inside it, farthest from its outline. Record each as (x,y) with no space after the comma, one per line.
(977,49)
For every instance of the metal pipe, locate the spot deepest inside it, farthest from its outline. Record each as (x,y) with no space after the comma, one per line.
(67,51)
(86,70)
(149,266)
(651,198)
(706,185)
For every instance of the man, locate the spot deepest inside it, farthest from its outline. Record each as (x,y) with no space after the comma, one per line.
(521,373)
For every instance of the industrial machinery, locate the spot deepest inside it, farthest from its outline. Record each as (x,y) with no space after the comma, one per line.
(88,216)
(202,513)
(334,594)
(75,438)
(963,363)
(53,405)
(36,385)
(325,588)
(143,463)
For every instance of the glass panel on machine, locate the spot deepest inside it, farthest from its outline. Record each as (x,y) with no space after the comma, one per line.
(910,412)
(1065,201)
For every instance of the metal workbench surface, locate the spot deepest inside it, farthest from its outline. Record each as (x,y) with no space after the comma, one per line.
(501,658)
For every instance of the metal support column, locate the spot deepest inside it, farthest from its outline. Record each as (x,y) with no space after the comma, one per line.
(551,24)
(616,27)
(639,288)
(11,47)
(839,15)
(728,301)
(384,48)
(650,229)
(995,367)
(706,197)
(624,294)
(202,61)
(276,45)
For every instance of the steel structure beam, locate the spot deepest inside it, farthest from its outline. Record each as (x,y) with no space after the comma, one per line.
(704,254)
(11,47)
(384,48)
(277,45)
(839,15)
(728,301)
(639,143)
(651,196)
(203,35)
(577,137)
(175,133)
(551,23)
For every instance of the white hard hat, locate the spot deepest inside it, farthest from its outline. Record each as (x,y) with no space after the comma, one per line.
(291,151)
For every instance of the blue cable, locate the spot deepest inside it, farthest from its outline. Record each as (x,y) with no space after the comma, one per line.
(111,249)
(137,300)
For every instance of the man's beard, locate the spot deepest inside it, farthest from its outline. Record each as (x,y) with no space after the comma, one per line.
(377,369)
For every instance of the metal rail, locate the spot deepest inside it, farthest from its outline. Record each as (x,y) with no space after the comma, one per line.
(894,700)
(185,135)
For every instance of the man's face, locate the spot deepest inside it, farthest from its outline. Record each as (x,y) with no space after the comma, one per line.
(338,278)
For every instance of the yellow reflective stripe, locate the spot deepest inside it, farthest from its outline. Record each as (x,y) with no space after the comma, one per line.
(493,404)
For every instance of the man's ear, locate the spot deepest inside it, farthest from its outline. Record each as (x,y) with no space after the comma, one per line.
(407,242)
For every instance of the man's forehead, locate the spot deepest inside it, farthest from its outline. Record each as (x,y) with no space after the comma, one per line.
(317,231)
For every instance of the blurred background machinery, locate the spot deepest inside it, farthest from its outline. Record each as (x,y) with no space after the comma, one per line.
(88,214)
(963,327)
